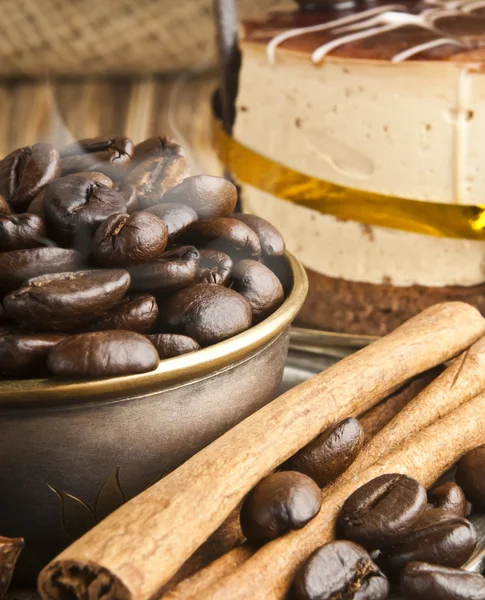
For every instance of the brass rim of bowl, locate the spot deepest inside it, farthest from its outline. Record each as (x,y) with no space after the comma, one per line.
(58,392)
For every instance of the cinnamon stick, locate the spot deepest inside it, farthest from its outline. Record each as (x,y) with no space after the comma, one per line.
(268,574)
(134,551)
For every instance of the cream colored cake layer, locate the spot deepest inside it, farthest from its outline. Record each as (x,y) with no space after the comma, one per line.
(413,130)
(358,252)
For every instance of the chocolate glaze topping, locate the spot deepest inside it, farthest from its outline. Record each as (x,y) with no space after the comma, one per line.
(449,30)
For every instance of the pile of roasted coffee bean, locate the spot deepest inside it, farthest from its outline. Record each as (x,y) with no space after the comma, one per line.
(113,257)
(391,531)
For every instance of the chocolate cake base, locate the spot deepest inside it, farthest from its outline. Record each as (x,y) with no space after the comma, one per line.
(369,309)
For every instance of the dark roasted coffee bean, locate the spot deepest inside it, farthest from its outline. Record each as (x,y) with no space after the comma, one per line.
(18,265)
(125,240)
(214,267)
(4,207)
(470,475)
(156,146)
(24,172)
(103,354)
(97,154)
(281,502)
(76,207)
(157,173)
(169,345)
(21,231)
(438,538)
(423,581)
(260,286)
(383,511)
(340,571)
(448,497)
(174,270)
(64,301)
(330,454)
(226,235)
(208,196)
(133,313)
(208,313)
(26,355)
(272,242)
(177,217)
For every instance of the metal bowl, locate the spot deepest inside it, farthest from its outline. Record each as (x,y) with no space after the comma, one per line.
(73,451)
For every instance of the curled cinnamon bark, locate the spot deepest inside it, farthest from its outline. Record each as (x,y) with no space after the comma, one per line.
(143,543)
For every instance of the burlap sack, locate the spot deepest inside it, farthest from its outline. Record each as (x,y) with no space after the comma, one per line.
(128,37)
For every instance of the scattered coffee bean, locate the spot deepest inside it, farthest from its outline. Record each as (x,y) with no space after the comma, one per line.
(470,475)
(383,511)
(259,286)
(64,301)
(133,313)
(226,235)
(169,345)
(281,502)
(4,207)
(76,207)
(21,231)
(103,354)
(330,454)
(19,265)
(439,538)
(174,270)
(208,196)
(26,355)
(208,313)
(125,240)
(177,217)
(448,497)
(423,581)
(25,171)
(157,173)
(214,267)
(97,154)
(272,242)
(340,570)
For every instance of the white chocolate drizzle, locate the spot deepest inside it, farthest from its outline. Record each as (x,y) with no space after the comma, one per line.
(380,20)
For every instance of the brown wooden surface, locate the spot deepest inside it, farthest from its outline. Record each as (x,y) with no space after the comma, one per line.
(143,543)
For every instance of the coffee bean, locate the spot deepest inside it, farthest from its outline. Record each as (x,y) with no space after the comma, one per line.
(383,511)
(174,270)
(423,581)
(337,571)
(169,345)
(226,235)
(208,196)
(208,313)
(272,242)
(18,265)
(470,475)
(281,502)
(104,155)
(125,240)
(26,355)
(25,171)
(214,267)
(103,354)
(330,454)
(21,231)
(439,538)
(157,173)
(64,301)
(133,313)
(4,207)
(97,177)
(177,217)
(76,207)
(130,195)
(260,286)
(156,146)
(448,497)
